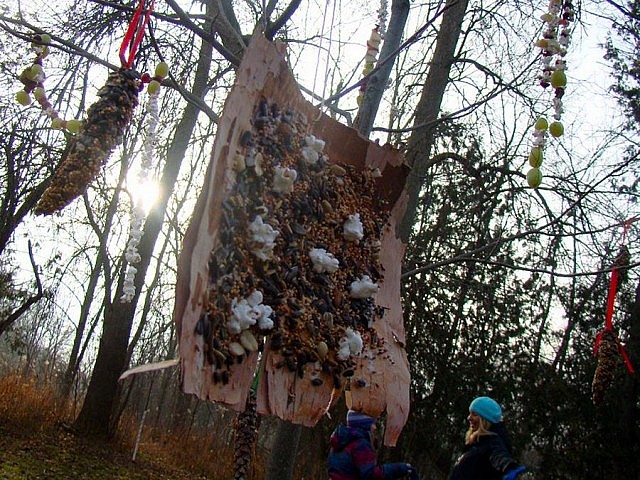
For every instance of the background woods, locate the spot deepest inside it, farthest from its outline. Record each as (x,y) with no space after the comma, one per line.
(504,287)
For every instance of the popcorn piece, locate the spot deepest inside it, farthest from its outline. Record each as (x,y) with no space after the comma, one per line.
(129,289)
(323,261)
(363,288)
(309,155)
(350,344)
(312,149)
(263,238)
(283,179)
(248,312)
(352,228)
(315,143)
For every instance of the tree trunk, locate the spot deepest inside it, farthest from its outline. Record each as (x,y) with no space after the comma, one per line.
(421,141)
(282,458)
(90,293)
(94,418)
(378,81)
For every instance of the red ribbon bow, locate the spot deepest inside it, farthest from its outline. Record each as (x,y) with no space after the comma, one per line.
(133,37)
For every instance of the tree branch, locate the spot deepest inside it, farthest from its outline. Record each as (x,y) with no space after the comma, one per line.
(468,256)
(202,34)
(288,12)
(16,314)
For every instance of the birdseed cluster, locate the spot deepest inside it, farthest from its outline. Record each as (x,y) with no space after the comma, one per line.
(297,258)
(608,361)
(100,132)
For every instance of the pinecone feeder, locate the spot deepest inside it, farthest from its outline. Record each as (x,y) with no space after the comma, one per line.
(99,134)
(608,358)
(621,263)
(246,433)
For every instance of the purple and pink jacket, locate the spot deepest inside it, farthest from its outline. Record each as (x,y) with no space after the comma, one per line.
(352,457)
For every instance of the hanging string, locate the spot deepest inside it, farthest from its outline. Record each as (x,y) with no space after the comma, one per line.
(326,65)
(315,75)
(128,49)
(382,17)
(328,57)
(138,214)
(134,34)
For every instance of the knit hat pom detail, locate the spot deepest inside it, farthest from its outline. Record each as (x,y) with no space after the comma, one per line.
(359,420)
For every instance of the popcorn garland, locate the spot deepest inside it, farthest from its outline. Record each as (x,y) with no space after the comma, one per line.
(370,58)
(554,44)
(33,78)
(137,214)
(382,17)
(373,44)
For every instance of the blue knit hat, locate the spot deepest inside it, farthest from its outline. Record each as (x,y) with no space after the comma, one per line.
(487,408)
(359,420)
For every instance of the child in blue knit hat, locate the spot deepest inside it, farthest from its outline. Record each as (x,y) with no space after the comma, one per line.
(487,451)
(353,456)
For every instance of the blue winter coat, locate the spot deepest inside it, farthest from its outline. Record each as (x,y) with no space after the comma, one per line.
(487,459)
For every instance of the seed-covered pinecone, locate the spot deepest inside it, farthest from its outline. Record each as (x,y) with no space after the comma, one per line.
(247,425)
(608,358)
(621,262)
(100,132)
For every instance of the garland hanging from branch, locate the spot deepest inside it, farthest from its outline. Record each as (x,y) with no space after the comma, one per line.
(554,44)
(373,48)
(137,212)
(92,140)
(104,126)
(370,59)
(32,79)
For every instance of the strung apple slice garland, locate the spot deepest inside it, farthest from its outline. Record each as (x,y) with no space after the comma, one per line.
(32,79)
(554,44)
(137,211)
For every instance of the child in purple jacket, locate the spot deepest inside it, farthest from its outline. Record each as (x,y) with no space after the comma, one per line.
(353,457)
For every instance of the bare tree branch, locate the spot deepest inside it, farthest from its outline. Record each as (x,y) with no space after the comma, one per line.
(16,314)
(468,256)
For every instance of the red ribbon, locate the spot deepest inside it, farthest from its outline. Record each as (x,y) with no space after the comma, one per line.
(608,322)
(133,37)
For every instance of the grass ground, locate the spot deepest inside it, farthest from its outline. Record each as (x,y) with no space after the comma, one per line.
(37,444)
(54,453)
